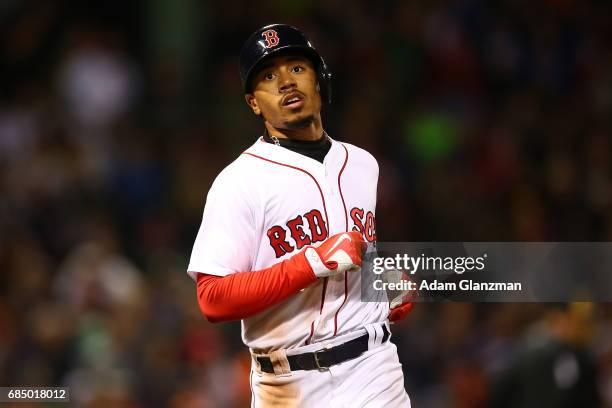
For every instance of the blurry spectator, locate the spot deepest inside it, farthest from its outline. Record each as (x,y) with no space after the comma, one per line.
(95,274)
(97,80)
(98,84)
(555,367)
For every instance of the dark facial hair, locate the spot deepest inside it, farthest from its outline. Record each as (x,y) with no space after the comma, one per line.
(300,123)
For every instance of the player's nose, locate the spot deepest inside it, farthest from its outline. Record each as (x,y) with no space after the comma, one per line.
(286,81)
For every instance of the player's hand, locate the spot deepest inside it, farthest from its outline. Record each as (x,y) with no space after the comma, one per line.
(338,254)
(402,304)
(399,311)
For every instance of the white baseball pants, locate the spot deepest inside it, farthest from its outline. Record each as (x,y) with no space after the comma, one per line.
(374,379)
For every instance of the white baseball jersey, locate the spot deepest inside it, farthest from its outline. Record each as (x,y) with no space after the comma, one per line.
(267,206)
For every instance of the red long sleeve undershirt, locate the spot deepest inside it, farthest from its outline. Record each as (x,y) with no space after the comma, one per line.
(244,294)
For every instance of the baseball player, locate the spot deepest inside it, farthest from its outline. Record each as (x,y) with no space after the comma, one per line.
(281,242)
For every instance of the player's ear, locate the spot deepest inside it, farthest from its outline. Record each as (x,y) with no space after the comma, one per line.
(252,102)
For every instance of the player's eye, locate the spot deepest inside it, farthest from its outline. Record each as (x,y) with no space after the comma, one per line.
(297,68)
(268,76)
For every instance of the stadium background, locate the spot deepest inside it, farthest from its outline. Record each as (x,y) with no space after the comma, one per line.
(490,121)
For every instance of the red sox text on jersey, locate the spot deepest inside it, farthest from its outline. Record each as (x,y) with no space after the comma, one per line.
(317,230)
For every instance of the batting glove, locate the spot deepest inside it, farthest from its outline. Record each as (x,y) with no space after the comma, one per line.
(401,305)
(399,311)
(339,253)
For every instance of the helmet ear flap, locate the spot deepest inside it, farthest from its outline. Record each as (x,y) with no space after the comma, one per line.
(325,79)
(324,76)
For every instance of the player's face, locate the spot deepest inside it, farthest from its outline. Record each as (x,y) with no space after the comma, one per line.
(286,93)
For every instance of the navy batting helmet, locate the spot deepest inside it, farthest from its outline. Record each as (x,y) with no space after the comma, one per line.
(274,39)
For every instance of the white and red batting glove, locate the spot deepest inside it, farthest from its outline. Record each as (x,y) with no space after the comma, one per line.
(402,304)
(400,310)
(338,254)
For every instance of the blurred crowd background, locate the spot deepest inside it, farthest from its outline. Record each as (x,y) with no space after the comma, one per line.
(491,121)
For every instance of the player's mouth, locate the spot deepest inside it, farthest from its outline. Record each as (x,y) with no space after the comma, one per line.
(293,100)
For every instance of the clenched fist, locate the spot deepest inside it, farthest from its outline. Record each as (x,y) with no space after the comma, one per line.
(339,253)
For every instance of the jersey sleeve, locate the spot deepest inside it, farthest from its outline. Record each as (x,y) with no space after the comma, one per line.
(226,240)
(244,294)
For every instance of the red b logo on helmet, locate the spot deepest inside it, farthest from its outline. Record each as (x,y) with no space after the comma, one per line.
(271,38)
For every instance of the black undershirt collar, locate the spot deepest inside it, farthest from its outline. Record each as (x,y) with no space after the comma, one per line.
(315,149)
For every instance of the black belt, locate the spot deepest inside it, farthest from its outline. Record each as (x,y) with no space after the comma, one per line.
(325,358)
